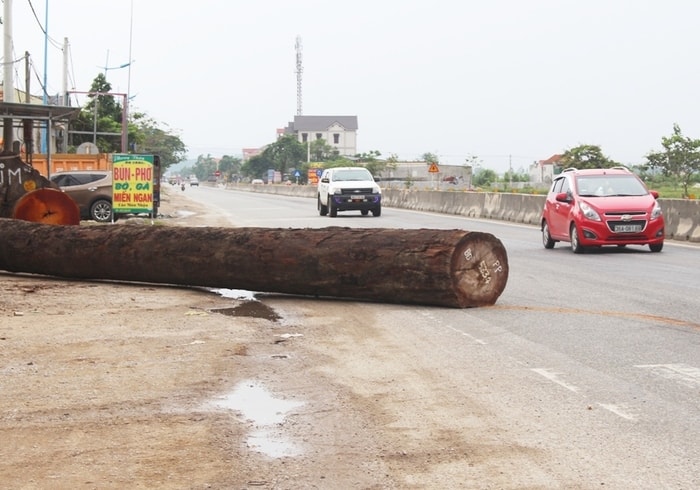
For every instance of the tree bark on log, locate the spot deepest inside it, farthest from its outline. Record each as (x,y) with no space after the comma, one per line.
(454,268)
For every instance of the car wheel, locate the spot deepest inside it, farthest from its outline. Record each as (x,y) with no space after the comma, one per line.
(576,246)
(377,211)
(322,210)
(656,247)
(332,210)
(364,212)
(101,211)
(546,237)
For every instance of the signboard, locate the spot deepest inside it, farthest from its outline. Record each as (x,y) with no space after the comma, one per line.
(433,168)
(313,174)
(132,183)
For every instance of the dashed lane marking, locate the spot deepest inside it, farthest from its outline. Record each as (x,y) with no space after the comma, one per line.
(681,373)
(554,378)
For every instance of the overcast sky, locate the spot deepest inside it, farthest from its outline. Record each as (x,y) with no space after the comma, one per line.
(509,81)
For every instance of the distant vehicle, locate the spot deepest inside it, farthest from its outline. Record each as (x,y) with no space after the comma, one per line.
(257,181)
(194,181)
(348,189)
(90,189)
(597,207)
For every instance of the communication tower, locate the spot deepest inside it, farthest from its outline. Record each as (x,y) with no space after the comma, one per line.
(299,71)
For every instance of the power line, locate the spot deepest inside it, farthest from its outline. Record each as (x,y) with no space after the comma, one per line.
(41,26)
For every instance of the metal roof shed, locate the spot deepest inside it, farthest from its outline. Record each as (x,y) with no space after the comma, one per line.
(9,111)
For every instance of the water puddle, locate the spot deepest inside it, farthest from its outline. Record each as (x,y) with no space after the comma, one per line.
(253,309)
(235,293)
(250,307)
(256,404)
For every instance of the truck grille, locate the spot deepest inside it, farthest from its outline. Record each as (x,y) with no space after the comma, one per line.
(357,190)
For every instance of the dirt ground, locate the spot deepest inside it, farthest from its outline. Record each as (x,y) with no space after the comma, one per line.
(114,385)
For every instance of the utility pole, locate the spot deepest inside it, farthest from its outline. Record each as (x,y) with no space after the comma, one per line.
(125,141)
(510,170)
(45,144)
(299,71)
(9,84)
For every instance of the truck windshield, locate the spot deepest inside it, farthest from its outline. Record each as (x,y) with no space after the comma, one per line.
(353,174)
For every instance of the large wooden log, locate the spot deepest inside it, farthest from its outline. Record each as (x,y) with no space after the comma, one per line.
(16,179)
(454,268)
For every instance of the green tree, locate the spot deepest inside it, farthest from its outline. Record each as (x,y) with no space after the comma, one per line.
(103,115)
(100,120)
(430,158)
(485,177)
(149,138)
(285,153)
(680,157)
(205,166)
(586,156)
(320,151)
(256,167)
(230,167)
(516,176)
(371,161)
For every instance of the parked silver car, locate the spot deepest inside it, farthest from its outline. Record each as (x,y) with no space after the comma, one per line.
(90,189)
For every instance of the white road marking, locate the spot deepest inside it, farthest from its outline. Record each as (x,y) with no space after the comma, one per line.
(681,373)
(465,334)
(617,411)
(461,332)
(554,378)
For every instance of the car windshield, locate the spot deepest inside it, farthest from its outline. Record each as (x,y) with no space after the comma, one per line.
(609,185)
(353,174)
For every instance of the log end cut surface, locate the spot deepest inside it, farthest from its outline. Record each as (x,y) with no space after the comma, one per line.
(47,206)
(479,269)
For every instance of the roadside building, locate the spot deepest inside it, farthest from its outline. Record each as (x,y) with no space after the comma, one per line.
(340,132)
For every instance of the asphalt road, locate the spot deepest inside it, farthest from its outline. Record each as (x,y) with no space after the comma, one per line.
(595,355)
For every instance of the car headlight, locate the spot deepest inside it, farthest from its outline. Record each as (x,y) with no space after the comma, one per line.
(337,190)
(656,211)
(588,211)
(376,190)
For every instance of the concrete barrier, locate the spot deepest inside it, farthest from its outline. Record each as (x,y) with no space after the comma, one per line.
(682,215)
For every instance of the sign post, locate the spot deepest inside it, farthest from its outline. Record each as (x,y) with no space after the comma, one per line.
(434,170)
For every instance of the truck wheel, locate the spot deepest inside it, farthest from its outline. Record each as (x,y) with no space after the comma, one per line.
(322,210)
(332,210)
(377,211)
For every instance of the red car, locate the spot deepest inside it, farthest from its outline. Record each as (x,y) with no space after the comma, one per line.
(597,207)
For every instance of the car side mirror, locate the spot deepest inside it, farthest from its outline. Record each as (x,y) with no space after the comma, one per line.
(325,180)
(563,197)
(655,194)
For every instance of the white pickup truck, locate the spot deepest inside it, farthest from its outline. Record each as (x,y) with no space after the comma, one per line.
(348,189)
